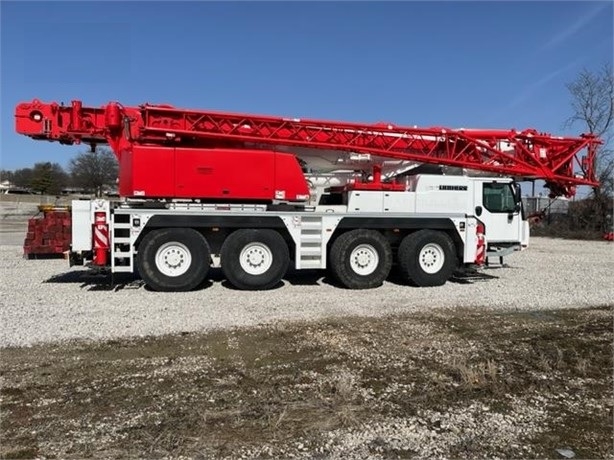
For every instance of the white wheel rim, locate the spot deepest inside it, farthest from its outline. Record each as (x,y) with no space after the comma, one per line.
(431,258)
(256,258)
(173,259)
(364,259)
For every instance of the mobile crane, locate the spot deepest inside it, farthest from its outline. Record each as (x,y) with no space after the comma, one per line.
(255,193)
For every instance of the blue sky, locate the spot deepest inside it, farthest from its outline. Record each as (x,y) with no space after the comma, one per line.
(455,64)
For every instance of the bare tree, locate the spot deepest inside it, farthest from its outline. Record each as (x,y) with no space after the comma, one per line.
(592,103)
(7,175)
(94,170)
(23,177)
(48,178)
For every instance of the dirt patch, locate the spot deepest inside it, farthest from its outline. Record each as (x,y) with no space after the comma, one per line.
(460,384)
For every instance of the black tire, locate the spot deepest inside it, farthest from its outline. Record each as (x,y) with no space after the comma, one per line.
(432,271)
(348,247)
(173,244)
(268,250)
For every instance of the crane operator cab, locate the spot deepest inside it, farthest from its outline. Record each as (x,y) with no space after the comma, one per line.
(495,201)
(498,204)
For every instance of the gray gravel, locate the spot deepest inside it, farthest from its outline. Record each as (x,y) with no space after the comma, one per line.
(34,308)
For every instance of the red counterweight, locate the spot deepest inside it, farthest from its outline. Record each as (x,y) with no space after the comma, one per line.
(220,174)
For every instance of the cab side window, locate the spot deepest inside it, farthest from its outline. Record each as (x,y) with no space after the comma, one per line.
(498,197)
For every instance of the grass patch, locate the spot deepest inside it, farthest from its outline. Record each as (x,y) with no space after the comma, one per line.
(461,384)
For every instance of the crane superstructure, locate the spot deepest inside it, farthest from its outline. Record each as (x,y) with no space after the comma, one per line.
(258,191)
(136,135)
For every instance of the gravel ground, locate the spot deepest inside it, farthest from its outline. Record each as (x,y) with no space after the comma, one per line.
(46,301)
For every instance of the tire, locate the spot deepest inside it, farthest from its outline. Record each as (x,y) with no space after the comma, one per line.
(254,259)
(173,259)
(361,259)
(427,258)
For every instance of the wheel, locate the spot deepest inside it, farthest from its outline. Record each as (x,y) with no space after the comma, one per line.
(427,258)
(173,259)
(254,259)
(361,259)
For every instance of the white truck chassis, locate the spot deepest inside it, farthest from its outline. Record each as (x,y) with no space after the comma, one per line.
(172,245)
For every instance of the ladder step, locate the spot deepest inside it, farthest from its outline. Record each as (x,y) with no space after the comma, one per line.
(310,252)
(121,225)
(121,254)
(311,238)
(313,225)
(122,268)
(311,263)
(121,240)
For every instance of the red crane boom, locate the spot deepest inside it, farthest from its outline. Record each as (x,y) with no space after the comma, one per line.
(161,149)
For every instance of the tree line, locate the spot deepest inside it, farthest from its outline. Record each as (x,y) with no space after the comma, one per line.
(92,172)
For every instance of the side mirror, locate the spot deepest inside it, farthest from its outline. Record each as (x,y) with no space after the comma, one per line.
(517,192)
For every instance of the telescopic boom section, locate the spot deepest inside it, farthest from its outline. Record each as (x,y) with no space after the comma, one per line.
(563,162)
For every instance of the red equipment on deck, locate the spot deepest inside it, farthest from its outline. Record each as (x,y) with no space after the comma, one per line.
(167,152)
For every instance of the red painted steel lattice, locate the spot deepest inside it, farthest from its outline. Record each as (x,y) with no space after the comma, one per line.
(563,162)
